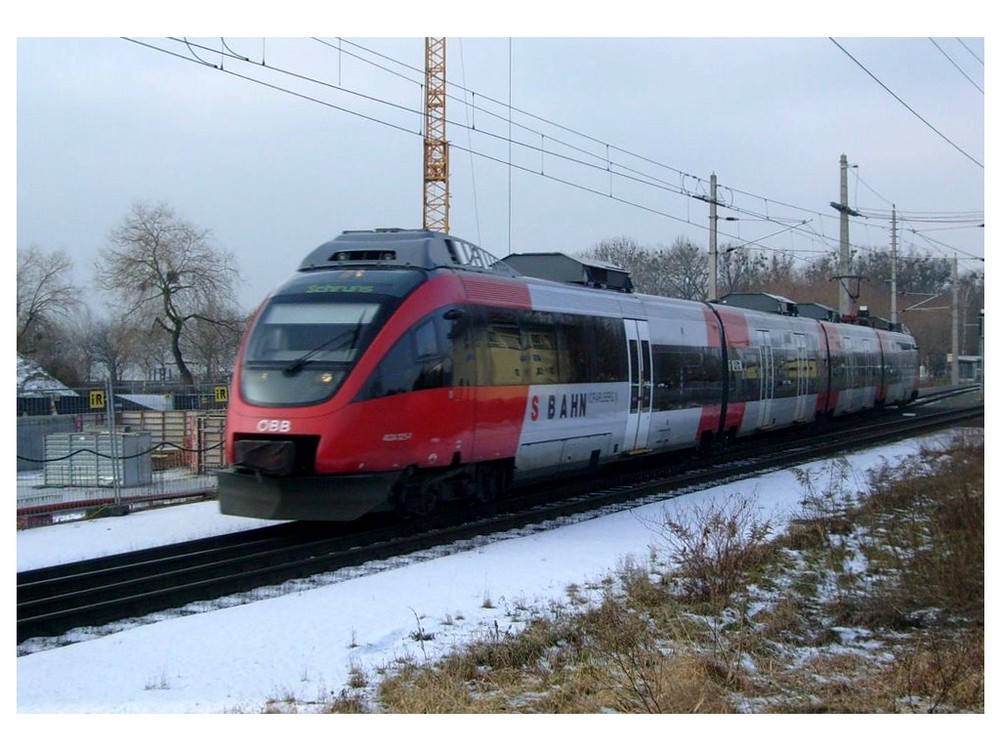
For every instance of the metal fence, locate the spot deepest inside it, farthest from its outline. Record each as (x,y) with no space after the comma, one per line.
(70,466)
(93,398)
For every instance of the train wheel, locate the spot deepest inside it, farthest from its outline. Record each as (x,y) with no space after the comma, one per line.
(417,498)
(489,484)
(423,498)
(709,444)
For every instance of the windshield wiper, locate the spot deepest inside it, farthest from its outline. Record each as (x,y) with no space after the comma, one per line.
(302,361)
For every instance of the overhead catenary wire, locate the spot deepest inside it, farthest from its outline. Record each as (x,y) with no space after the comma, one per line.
(957,66)
(978,58)
(908,107)
(472,162)
(586,158)
(682,174)
(510,141)
(680,188)
(590,158)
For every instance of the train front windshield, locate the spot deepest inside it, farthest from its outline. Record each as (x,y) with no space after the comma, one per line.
(299,352)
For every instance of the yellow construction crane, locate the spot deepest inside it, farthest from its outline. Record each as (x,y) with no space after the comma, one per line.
(436,197)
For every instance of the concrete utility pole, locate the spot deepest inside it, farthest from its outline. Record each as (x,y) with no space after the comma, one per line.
(713,242)
(845,241)
(982,349)
(954,321)
(892,282)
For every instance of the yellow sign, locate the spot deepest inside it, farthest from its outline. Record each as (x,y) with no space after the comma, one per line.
(221,394)
(97,399)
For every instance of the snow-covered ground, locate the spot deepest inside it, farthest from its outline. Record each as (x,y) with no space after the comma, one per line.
(304,641)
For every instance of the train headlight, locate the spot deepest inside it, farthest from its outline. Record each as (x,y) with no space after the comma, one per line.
(326,377)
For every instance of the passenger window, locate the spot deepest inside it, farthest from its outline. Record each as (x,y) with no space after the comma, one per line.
(517,347)
(420,360)
(425,338)
(505,358)
(396,373)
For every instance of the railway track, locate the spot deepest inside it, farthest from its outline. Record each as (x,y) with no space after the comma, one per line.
(92,593)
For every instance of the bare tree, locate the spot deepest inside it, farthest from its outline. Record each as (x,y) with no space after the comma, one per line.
(214,345)
(152,355)
(628,254)
(623,252)
(678,271)
(165,270)
(109,343)
(45,295)
(685,265)
(742,270)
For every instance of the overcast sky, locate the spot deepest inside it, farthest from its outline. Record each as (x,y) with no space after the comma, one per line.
(557,143)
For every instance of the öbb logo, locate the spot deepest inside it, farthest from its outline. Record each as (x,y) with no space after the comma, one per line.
(274,425)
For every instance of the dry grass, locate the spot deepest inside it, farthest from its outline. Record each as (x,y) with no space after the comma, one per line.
(865,605)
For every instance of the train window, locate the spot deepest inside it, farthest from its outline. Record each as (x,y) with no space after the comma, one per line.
(575,348)
(395,373)
(610,351)
(540,355)
(686,377)
(745,368)
(300,352)
(288,331)
(420,360)
(515,347)
(425,340)
(784,362)
(505,360)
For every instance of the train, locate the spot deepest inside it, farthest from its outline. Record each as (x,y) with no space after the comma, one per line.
(400,370)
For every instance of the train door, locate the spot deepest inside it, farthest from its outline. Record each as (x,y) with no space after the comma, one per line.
(871,370)
(640,366)
(850,370)
(803,375)
(766,379)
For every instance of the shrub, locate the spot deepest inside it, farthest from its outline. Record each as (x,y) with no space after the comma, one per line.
(715,547)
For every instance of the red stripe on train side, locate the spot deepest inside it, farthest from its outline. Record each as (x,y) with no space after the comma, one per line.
(833,336)
(711,415)
(735,323)
(734,415)
(737,334)
(498,292)
(827,401)
(712,327)
(500,411)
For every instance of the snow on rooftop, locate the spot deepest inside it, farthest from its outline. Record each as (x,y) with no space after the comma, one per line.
(33,380)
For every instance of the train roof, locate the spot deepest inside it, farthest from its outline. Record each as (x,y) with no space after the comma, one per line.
(568,270)
(407,248)
(760,301)
(773,303)
(819,312)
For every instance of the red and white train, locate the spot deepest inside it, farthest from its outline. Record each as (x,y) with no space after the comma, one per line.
(400,368)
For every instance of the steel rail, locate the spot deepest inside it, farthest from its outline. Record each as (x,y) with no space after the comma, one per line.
(53,600)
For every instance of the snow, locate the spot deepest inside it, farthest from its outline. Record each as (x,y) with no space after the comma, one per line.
(33,380)
(304,640)
(155,401)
